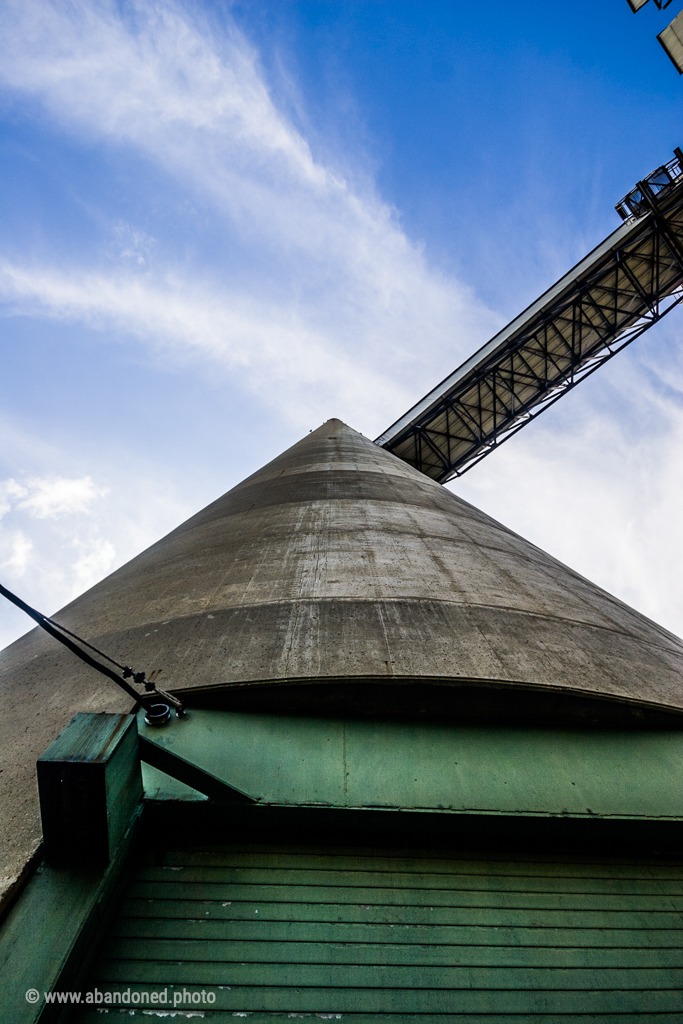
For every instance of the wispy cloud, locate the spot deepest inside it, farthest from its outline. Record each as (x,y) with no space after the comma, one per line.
(330,292)
(17,548)
(66,552)
(290,363)
(49,498)
(59,535)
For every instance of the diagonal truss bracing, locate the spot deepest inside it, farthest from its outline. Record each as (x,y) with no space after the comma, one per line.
(619,290)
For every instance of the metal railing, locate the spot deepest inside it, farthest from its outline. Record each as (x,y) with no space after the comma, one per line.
(637,202)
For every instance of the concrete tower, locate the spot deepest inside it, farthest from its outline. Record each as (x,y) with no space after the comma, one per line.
(339,578)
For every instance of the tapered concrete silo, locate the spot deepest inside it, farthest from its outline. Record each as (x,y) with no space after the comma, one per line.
(338,581)
(338,575)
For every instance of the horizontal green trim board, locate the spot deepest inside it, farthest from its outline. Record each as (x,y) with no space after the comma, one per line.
(233,952)
(288,760)
(406,881)
(394,977)
(340,1000)
(306,895)
(294,933)
(255,857)
(229,1017)
(492,917)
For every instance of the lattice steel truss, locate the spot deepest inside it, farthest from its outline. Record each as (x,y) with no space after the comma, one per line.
(620,290)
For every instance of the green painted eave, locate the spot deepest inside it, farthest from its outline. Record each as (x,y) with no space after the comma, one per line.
(296,761)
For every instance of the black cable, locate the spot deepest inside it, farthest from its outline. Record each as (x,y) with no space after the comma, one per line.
(124,668)
(49,627)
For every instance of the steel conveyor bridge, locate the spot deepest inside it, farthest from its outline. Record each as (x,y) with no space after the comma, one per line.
(623,287)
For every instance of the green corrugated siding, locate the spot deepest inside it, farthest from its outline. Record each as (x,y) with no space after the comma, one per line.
(400,938)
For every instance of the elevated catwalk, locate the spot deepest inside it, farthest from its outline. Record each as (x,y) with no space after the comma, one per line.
(611,297)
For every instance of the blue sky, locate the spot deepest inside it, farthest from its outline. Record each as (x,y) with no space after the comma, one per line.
(222,223)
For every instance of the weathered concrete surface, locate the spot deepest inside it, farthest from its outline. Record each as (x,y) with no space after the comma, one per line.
(335,561)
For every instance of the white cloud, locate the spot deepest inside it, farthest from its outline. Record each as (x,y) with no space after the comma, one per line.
(325,296)
(293,366)
(20,547)
(57,496)
(9,491)
(140,73)
(96,559)
(131,243)
(61,534)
